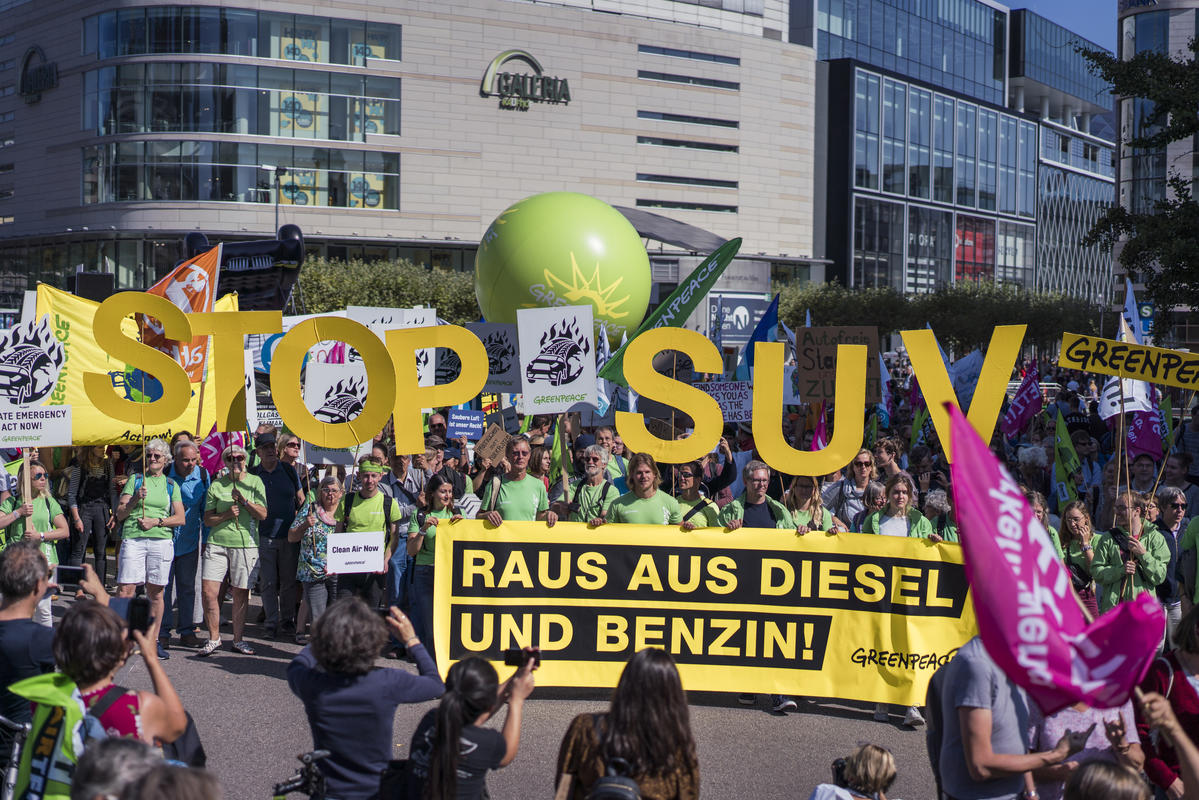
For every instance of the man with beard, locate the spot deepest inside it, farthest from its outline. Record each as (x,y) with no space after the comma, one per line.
(589,498)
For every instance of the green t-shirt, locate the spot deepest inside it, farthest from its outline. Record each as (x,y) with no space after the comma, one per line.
(805,517)
(657,509)
(707,517)
(366,513)
(424,556)
(45,509)
(242,531)
(519,500)
(157,505)
(618,467)
(594,501)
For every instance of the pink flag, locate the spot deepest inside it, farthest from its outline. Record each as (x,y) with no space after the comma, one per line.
(820,432)
(1145,435)
(1025,405)
(214,444)
(1027,618)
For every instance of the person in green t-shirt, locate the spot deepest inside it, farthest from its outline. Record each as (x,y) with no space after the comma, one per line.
(645,504)
(151,506)
(618,467)
(698,511)
(235,504)
(422,545)
(589,498)
(40,520)
(807,509)
(369,510)
(516,495)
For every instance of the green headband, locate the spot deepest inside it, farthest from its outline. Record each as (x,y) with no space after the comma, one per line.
(370,466)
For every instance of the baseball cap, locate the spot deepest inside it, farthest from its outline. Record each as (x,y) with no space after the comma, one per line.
(584,440)
(265,439)
(1072,386)
(453,452)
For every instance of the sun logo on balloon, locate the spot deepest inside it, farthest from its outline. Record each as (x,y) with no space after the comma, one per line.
(589,289)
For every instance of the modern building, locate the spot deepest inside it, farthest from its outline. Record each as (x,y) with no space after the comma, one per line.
(955,169)
(386,128)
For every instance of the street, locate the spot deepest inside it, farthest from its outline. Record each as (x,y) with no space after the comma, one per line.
(253,728)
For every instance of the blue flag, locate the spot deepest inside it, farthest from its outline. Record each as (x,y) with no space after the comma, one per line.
(767,330)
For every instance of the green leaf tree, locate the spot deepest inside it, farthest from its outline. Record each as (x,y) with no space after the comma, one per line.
(332,285)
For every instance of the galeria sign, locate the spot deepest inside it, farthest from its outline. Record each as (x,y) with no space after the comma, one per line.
(392,375)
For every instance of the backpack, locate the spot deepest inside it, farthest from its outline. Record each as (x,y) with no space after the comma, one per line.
(615,784)
(62,726)
(172,487)
(575,506)
(388,502)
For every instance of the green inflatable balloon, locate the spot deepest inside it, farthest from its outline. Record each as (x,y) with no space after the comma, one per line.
(564,249)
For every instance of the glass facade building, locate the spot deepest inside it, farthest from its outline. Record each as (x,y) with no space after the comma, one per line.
(1043,51)
(958,45)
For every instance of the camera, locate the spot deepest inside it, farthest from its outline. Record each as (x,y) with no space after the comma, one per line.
(839,774)
(67,576)
(134,610)
(516,657)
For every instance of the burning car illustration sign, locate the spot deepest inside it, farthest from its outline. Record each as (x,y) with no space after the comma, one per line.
(31,360)
(335,393)
(557,358)
(503,363)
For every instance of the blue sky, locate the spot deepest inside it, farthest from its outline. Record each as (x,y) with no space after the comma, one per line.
(1092,19)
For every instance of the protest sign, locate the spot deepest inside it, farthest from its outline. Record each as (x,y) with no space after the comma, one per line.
(734,397)
(31,361)
(791,380)
(1025,405)
(505,418)
(465,424)
(492,444)
(816,359)
(854,616)
(334,394)
(503,361)
(354,552)
(1129,360)
(557,358)
(251,392)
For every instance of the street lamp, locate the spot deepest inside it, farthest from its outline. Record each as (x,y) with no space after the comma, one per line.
(278,172)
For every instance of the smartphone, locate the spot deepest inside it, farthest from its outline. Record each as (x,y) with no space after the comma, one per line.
(516,657)
(68,576)
(138,614)
(385,611)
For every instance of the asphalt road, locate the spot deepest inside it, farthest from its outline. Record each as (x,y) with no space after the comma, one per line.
(253,728)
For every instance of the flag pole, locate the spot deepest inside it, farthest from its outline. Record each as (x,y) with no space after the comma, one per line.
(141,325)
(26,488)
(562,467)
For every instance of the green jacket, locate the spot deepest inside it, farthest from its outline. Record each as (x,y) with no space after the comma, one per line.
(57,730)
(736,510)
(944,527)
(918,524)
(1108,566)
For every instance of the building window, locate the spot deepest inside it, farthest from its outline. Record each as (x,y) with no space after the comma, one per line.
(988,142)
(685,118)
(8,89)
(1014,255)
(866,130)
(967,131)
(7,116)
(293,37)
(1028,169)
(691,80)
(6,193)
(689,54)
(6,220)
(942,149)
(687,144)
(1007,164)
(6,168)
(713,182)
(7,64)
(974,251)
(877,244)
(894,125)
(686,206)
(919,143)
(7,38)
(930,250)
(231,172)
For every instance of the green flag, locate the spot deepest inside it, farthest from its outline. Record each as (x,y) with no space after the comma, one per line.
(922,418)
(558,460)
(872,434)
(1065,464)
(674,310)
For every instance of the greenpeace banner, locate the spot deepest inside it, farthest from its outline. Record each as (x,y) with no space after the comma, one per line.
(850,615)
(71,321)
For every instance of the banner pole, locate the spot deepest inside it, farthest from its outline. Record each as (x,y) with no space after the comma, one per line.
(26,488)
(141,324)
(200,408)
(562,438)
(1122,450)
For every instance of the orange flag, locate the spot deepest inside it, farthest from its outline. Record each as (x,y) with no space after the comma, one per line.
(191,286)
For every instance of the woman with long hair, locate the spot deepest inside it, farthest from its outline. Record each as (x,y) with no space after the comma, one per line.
(806,506)
(539,464)
(873,499)
(846,498)
(48,523)
(1077,539)
(422,535)
(646,733)
(314,524)
(90,489)
(899,517)
(451,751)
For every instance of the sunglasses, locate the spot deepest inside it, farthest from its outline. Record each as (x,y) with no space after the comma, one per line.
(37,476)
(234,458)
(862,464)
(686,474)
(1178,505)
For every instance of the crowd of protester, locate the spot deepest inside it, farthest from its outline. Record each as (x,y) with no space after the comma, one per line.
(191,545)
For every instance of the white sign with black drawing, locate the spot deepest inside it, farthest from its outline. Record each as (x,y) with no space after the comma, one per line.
(503,360)
(557,358)
(380,320)
(335,393)
(31,358)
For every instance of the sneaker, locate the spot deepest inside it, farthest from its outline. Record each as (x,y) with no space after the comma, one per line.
(747,699)
(190,640)
(783,704)
(913,718)
(163,655)
(881,713)
(243,648)
(269,633)
(210,647)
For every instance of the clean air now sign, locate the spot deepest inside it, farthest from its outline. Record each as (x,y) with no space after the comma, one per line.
(516,90)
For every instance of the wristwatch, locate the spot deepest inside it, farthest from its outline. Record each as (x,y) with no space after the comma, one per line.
(1086,548)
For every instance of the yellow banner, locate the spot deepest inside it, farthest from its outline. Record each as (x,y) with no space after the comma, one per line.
(1130,360)
(853,616)
(71,320)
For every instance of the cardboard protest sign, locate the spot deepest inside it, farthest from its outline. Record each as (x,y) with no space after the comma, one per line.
(503,358)
(335,393)
(354,552)
(31,361)
(492,444)
(734,397)
(505,418)
(557,358)
(816,359)
(465,424)
(861,617)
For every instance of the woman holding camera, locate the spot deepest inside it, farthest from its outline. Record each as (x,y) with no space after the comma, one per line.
(451,751)
(646,734)
(866,774)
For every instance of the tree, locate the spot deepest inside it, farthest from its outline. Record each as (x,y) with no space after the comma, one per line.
(1160,246)
(332,285)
